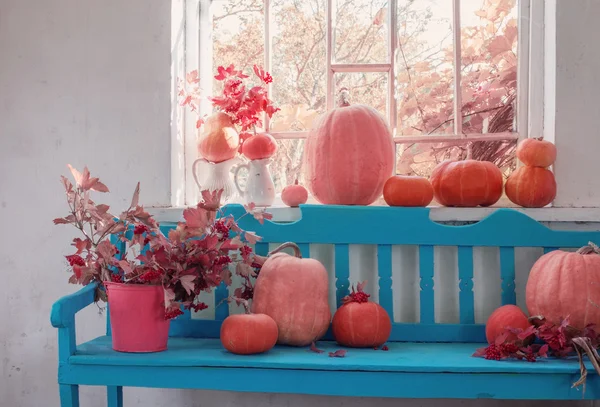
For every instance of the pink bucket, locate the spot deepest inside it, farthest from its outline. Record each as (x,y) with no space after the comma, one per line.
(137,317)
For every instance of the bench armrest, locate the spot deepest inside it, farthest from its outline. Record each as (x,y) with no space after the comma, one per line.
(64,310)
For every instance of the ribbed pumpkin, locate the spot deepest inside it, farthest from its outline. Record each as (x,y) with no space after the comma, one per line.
(531,187)
(563,284)
(248,334)
(359,323)
(294,292)
(536,152)
(219,140)
(294,195)
(467,183)
(507,316)
(402,190)
(348,155)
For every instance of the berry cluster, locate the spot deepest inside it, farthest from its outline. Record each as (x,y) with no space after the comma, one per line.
(75,260)
(173,313)
(150,275)
(140,229)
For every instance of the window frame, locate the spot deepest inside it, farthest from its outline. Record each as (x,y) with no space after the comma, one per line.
(193,39)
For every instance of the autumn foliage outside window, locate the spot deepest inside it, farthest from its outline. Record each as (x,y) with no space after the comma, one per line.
(423,76)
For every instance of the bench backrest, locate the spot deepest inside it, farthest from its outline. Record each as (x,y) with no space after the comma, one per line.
(385,227)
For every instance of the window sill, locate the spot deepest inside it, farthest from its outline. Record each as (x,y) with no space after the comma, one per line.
(283,213)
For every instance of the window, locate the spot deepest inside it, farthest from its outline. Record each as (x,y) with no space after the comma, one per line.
(421,63)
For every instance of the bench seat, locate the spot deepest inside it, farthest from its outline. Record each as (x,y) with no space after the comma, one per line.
(407,370)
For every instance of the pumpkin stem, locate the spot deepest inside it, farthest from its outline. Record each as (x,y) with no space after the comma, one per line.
(242,302)
(344,99)
(284,246)
(591,248)
(469,151)
(296,182)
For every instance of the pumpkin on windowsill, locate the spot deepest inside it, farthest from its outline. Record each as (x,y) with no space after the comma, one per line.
(219,140)
(536,152)
(467,183)
(401,190)
(348,155)
(294,195)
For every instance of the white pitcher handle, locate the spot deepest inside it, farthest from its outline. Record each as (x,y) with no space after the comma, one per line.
(194,172)
(235,177)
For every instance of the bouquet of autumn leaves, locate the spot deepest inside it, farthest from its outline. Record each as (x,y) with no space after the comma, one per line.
(194,257)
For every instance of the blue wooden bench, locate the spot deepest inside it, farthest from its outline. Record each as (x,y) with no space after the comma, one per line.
(425,359)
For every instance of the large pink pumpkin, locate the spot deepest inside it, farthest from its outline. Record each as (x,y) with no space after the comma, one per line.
(294,292)
(348,156)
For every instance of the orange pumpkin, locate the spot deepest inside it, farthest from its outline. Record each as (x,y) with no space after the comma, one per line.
(402,190)
(507,316)
(348,155)
(219,140)
(294,292)
(466,183)
(531,187)
(259,146)
(563,284)
(248,334)
(359,323)
(536,152)
(294,195)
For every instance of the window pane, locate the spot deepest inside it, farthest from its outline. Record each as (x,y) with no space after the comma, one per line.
(238,35)
(421,158)
(367,88)
(286,165)
(489,65)
(424,67)
(360,31)
(298,65)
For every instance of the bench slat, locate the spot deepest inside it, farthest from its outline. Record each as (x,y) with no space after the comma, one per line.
(549,249)
(342,272)
(304,250)
(384,271)
(507,275)
(427,311)
(465,276)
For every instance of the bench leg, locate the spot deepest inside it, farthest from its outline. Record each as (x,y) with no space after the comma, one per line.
(115,396)
(69,395)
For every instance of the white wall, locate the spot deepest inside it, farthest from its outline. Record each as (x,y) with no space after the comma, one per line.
(87,82)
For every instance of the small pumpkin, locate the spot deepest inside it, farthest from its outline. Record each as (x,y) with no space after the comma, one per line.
(219,140)
(248,334)
(531,187)
(566,284)
(507,316)
(536,152)
(401,190)
(294,292)
(359,323)
(294,195)
(348,155)
(259,146)
(467,183)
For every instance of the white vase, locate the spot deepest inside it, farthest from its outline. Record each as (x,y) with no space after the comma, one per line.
(216,176)
(260,189)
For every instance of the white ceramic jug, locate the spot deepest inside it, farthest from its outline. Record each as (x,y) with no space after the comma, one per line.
(259,187)
(216,176)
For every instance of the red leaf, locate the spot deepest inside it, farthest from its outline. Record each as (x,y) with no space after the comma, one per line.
(500,339)
(543,352)
(187,282)
(337,354)
(81,245)
(192,77)
(76,175)
(479,352)
(98,186)
(252,238)
(61,221)
(196,217)
(124,264)
(313,348)
(136,196)
(360,286)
